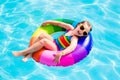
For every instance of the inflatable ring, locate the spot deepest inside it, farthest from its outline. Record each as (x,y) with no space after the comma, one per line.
(45,56)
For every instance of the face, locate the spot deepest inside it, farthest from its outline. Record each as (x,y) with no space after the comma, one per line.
(82,29)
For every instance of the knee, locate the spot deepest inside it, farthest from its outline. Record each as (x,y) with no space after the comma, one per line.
(42,35)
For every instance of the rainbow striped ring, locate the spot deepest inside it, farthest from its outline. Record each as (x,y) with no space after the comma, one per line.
(46,57)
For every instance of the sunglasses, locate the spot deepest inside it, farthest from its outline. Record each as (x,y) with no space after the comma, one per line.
(83,29)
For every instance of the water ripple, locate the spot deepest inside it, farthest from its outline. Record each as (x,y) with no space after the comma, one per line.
(20,18)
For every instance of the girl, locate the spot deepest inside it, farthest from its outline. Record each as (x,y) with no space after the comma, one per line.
(45,40)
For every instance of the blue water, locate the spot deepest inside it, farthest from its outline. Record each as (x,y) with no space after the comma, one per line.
(20,18)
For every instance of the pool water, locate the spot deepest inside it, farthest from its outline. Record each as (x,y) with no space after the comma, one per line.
(20,18)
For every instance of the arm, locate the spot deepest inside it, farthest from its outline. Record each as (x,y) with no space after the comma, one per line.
(72,46)
(57,23)
(69,49)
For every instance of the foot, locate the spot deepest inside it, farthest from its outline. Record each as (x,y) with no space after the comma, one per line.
(27,57)
(17,53)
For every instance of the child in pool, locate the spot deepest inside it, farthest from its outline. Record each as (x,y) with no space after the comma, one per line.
(45,40)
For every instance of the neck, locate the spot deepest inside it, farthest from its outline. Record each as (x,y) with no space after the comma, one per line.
(70,33)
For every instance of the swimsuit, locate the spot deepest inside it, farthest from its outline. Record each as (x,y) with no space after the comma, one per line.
(63,41)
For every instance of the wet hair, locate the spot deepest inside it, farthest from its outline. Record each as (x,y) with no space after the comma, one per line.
(84,22)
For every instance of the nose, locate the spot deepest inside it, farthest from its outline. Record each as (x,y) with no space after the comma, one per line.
(79,32)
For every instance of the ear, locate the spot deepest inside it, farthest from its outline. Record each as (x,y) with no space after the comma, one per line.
(91,29)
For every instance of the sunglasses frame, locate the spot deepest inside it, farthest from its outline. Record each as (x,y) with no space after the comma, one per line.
(84,31)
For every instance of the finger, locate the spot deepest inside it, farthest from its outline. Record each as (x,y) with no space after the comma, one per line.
(54,55)
(42,25)
(59,61)
(56,61)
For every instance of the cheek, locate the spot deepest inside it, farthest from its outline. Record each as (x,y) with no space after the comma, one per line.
(77,28)
(80,32)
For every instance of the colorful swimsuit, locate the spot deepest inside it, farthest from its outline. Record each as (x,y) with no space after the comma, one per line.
(62,42)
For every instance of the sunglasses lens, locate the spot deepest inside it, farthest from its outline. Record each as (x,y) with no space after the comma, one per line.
(82,27)
(84,33)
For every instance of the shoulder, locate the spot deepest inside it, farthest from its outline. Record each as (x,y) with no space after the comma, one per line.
(74,38)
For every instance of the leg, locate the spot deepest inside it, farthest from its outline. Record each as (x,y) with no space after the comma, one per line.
(42,36)
(37,46)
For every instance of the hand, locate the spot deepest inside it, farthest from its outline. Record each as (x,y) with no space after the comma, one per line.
(43,24)
(57,58)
